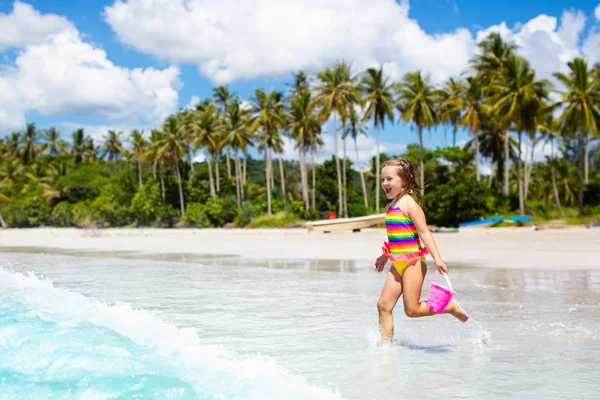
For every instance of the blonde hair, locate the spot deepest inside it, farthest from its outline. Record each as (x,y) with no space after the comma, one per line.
(408,174)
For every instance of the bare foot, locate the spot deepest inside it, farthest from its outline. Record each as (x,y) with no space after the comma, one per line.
(458,312)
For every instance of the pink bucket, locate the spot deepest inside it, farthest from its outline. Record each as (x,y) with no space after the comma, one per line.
(439,296)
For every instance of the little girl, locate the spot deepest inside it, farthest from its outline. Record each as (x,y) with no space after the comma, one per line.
(406,228)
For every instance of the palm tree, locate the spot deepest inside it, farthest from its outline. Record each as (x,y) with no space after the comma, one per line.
(335,92)
(268,118)
(112,145)
(518,98)
(355,128)
(206,128)
(378,100)
(580,116)
(138,149)
(78,145)
(304,126)
(30,144)
(53,143)
(172,146)
(90,151)
(13,144)
(493,53)
(222,97)
(451,106)
(489,64)
(238,137)
(473,112)
(153,156)
(10,172)
(416,102)
(548,128)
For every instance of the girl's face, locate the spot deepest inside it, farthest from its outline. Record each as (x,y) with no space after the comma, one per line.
(391,183)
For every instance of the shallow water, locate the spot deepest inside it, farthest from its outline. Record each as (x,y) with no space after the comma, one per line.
(119,327)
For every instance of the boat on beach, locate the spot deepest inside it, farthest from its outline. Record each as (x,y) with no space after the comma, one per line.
(482,223)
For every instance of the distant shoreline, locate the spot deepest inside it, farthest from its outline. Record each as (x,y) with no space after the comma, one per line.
(521,248)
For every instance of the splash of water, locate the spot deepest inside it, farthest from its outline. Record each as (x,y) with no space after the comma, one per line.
(57,343)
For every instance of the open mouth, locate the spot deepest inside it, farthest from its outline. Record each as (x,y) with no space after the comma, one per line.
(388,191)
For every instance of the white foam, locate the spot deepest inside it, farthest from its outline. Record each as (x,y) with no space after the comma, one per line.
(254,377)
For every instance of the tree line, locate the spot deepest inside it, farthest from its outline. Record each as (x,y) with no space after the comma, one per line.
(499,101)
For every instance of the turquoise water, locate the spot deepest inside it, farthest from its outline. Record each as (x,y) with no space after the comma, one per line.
(75,327)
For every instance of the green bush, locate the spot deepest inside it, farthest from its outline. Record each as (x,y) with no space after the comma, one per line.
(277,220)
(245,214)
(146,203)
(108,212)
(83,215)
(195,215)
(62,214)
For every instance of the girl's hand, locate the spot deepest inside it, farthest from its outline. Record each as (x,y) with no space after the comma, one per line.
(380,263)
(441,266)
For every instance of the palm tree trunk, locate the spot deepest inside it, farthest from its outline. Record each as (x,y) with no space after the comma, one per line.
(337,166)
(345,191)
(377,170)
(421,163)
(506,162)
(268,179)
(582,149)
(454,135)
(238,196)
(2,223)
(178,175)
(520,179)
(281,176)
(477,155)
(553,175)
(491,178)
(217,179)
(362,176)
(586,171)
(154,170)
(245,165)
(314,180)
(228,164)
(191,164)
(529,169)
(140,173)
(162,183)
(238,176)
(304,180)
(211,182)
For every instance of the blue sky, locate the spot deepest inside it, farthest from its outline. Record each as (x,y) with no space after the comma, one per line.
(182,50)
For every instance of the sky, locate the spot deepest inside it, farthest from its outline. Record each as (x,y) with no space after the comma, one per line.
(127,64)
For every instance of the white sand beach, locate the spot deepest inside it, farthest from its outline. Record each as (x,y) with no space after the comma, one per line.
(568,248)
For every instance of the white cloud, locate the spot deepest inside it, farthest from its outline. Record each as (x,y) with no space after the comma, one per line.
(194,100)
(543,42)
(597,12)
(63,75)
(25,26)
(231,40)
(366,150)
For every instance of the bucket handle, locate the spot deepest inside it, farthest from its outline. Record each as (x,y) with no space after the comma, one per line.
(447,279)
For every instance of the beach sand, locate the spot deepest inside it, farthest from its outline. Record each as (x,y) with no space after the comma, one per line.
(523,248)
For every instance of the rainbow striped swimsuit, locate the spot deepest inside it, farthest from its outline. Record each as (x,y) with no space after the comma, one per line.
(404,245)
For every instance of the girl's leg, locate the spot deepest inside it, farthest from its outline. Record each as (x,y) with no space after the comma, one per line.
(391,292)
(412,284)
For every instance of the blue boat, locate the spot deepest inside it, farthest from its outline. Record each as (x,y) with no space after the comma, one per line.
(520,218)
(482,223)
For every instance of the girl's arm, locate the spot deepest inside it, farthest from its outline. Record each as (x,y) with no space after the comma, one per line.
(415,213)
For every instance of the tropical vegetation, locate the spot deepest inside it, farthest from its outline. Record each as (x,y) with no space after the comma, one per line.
(197,168)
